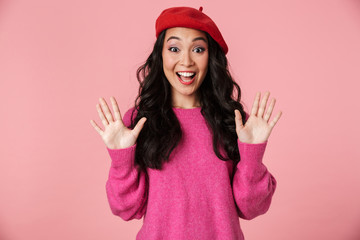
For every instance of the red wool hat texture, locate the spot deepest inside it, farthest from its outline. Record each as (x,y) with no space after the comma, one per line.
(190,18)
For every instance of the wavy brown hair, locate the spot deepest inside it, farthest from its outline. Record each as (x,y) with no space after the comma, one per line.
(161,132)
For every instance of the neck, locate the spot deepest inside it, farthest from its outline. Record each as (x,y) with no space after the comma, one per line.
(186,103)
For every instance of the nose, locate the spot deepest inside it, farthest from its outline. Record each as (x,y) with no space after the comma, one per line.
(186,59)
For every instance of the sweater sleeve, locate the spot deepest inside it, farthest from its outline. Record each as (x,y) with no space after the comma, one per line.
(253,184)
(126,187)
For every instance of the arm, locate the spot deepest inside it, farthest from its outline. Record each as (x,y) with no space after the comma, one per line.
(126,188)
(253,184)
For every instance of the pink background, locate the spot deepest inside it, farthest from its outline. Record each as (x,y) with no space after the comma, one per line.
(58,57)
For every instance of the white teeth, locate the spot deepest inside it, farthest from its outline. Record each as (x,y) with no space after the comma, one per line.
(186,74)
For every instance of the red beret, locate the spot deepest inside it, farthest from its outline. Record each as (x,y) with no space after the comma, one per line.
(190,18)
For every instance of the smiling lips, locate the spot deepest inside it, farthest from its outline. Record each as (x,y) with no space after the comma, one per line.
(186,77)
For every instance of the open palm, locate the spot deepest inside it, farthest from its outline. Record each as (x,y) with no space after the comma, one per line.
(257,128)
(116,135)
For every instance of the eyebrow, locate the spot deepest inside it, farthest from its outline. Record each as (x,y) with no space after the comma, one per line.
(195,39)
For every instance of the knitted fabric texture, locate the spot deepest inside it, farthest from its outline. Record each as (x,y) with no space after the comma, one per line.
(196,195)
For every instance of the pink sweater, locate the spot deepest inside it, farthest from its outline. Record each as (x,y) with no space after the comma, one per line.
(193,197)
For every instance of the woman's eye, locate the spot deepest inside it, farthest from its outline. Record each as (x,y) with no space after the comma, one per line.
(173,49)
(199,49)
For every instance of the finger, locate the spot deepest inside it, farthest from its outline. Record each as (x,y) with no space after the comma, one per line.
(238,120)
(275,120)
(116,109)
(270,109)
(255,106)
(263,104)
(139,126)
(106,110)
(97,128)
(101,115)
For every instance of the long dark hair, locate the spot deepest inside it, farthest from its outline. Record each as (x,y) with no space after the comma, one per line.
(161,132)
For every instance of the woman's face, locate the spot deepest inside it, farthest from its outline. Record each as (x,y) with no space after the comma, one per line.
(185,62)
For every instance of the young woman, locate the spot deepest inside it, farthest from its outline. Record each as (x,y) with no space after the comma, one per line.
(187,157)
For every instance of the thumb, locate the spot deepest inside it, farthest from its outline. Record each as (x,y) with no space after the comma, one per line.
(139,126)
(238,120)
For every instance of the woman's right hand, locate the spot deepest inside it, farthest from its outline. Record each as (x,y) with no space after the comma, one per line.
(116,135)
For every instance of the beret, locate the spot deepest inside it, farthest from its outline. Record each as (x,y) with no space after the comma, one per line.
(190,18)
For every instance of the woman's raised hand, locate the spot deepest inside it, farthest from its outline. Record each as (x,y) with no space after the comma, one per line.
(115,135)
(257,128)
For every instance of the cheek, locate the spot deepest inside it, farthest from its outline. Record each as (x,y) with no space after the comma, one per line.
(203,63)
(168,62)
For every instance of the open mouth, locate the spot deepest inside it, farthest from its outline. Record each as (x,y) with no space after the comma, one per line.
(186,77)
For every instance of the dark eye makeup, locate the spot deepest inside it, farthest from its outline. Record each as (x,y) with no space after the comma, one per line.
(175,49)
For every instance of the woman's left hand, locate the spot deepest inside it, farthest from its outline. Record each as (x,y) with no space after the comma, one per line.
(257,129)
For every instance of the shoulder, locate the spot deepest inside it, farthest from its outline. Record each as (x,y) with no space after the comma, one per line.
(127,116)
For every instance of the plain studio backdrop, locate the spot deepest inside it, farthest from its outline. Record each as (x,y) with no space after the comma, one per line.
(58,57)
